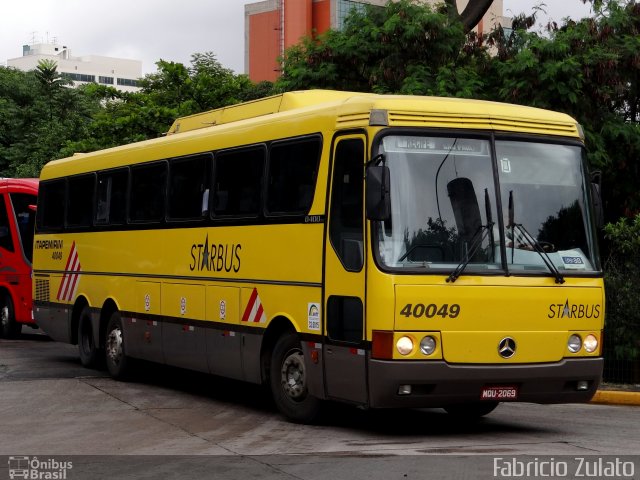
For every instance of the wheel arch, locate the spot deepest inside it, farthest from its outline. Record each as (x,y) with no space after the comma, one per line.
(79,304)
(108,308)
(278,326)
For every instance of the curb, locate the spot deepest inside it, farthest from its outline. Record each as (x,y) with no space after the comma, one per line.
(616,397)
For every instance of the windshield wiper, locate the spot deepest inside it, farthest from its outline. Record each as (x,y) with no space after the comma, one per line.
(531,240)
(476,240)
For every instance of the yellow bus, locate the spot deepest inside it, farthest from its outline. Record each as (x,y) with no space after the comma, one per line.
(385,251)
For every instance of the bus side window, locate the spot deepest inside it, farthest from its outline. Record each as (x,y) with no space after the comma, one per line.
(345,223)
(80,200)
(188,187)
(148,187)
(111,197)
(293,166)
(6,241)
(51,205)
(238,182)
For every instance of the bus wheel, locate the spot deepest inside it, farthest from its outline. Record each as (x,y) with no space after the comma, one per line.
(116,359)
(472,410)
(289,381)
(89,352)
(9,328)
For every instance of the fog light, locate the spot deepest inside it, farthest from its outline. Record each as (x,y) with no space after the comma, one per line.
(404,345)
(575,343)
(590,343)
(428,345)
(582,385)
(404,390)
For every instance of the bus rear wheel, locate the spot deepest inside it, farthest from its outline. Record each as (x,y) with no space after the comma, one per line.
(115,355)
(469,411)
(9,328)
(288,380)
(89,351)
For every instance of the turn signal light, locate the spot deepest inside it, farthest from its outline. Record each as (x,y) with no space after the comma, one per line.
(382,345)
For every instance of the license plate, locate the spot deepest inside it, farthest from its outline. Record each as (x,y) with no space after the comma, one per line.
(500,394)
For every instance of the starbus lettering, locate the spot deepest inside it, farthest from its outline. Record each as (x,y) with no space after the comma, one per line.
(215,257)
(573,310)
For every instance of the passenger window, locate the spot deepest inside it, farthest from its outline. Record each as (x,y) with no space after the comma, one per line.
(345,319)
(111,198)
(6,241)
(238,182)
(51,202)
(293,167)
(189,187)
(80,200)
(346,229)
(148,186)
(23,204)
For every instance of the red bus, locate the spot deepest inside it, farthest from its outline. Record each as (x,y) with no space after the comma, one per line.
(18,198)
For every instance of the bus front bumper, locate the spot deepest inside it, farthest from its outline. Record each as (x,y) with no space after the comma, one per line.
(438,384)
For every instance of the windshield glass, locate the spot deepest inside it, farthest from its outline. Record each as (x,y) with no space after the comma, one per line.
(442,202)
(444,208)
(545,186)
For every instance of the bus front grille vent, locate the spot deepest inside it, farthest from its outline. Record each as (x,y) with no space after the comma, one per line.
(42,290)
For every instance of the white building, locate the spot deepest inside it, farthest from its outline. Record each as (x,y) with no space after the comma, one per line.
(120,73)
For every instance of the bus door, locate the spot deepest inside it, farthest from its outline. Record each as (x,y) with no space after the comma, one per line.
(344,275)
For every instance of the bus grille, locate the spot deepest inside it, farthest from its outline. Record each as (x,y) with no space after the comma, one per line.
(42,290)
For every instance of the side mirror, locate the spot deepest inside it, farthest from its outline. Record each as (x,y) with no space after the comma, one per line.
(596,198)
(378,200)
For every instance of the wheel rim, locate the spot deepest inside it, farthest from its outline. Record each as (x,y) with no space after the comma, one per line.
(114,346)
(292,375)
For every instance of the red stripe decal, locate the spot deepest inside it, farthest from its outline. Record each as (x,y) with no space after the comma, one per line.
(252,301)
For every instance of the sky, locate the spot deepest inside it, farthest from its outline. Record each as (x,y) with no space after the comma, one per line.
(150,30)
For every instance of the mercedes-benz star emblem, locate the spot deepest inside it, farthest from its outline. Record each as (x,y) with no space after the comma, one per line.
(507,347)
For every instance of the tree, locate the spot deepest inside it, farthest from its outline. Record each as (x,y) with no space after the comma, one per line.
(472,14)
(38,116)
(405,47)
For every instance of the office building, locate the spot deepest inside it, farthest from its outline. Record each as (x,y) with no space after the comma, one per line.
(120,73)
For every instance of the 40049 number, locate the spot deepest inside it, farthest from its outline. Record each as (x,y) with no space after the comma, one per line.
(420,310)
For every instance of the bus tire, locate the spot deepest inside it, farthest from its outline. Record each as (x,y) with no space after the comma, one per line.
(89,351)
(115,355)
(288,381)
(9,328)
(469,411)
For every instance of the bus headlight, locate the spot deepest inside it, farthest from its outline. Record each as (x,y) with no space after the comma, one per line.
(574,344)
(428,345)
(404,345)
(590,343)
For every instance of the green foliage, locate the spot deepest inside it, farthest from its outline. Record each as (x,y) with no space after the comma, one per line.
(38,116)
(396,49)
(621,279)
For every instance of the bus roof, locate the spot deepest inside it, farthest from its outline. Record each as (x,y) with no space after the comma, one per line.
(343,110)
(28,185)
(417,109)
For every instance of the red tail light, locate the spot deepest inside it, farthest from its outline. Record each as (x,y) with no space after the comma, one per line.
(382,345)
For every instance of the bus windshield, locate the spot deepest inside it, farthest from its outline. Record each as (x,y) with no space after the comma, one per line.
(447,209)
